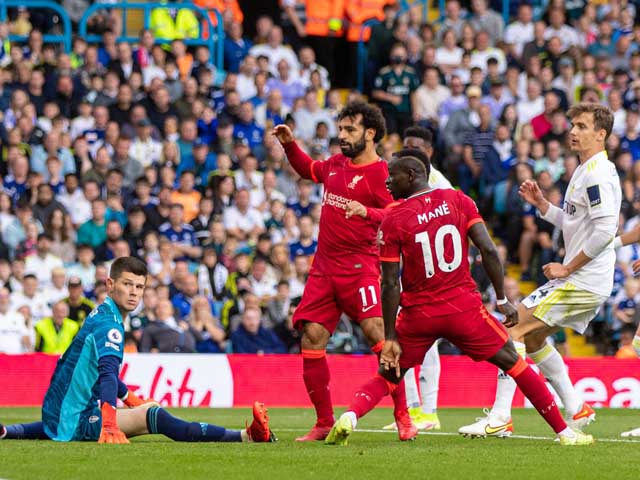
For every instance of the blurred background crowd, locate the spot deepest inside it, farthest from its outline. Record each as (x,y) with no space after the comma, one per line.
(149,148)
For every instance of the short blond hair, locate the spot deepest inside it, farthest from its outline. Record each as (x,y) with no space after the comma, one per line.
(602,116)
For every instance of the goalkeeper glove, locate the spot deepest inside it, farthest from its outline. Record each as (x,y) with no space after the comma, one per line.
(133,400)
(110,432)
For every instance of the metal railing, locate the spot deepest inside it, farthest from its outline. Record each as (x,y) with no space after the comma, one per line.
(215,42)
(64,38)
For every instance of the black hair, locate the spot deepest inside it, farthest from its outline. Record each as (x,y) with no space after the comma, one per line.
(419,132)
(413,152)
(371,117)
(127,264)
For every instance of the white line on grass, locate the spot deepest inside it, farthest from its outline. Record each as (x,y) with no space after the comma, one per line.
(452,434)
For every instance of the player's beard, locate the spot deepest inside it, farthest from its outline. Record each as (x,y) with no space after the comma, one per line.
(353,150)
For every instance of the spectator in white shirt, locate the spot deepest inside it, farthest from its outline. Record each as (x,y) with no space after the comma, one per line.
(308,117)
(449,54)
(558,28)
(84,121)
(72,198)
(275,51)
(31,298)
(520,32)
(144,148)
(534,103)
(245,83)
(308,65)
(484,51)
(429,96)
(58,289)
(241,221)
(14,336)
(43,262)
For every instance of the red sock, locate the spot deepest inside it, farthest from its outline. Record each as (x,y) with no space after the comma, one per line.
(399,395)
(369,395)
(536,391)
(315,372)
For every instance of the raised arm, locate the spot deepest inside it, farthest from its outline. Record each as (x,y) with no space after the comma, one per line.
(300,161)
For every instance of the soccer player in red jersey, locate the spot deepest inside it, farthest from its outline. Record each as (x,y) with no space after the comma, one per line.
(345,274)
(430,232)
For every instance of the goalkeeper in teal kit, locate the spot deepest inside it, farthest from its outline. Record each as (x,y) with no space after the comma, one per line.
(80,402)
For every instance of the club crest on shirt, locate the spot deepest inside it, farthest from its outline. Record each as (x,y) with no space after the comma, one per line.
(355,181)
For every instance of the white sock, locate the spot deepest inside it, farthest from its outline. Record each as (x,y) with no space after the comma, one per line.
(567,432)
(555,371)
(430,380)
(506,389)
(351,416)
(411,388)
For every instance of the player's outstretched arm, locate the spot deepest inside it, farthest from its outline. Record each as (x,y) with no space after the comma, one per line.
(493,266)
(300,161)
(627,238)
(531,193)
(390,355)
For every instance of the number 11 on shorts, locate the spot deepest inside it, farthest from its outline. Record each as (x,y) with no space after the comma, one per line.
(366,304)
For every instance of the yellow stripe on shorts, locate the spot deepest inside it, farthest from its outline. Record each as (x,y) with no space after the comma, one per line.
(549,302)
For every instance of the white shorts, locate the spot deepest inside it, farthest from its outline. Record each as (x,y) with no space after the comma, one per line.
(560,303)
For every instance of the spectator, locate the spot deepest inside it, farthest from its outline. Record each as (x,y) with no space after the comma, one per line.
(165,334)
(57,290)
(242,221)
(485,19)
(210,336)
(287,83)
(14,336)
(252,337)
(42,264)
(180,234)
(54,334)
(94,232)
(79,306)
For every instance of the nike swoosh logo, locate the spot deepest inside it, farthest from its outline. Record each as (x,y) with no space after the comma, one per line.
(332,173)
(489,430)
(366,309)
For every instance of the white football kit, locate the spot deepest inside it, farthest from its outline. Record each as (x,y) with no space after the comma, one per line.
(593,193)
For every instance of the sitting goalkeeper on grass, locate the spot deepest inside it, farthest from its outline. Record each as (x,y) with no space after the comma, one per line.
(80,402)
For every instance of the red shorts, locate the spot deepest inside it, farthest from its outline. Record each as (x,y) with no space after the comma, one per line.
(476,333)
(325,298)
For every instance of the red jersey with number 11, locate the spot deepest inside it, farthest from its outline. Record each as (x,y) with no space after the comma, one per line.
(429,231)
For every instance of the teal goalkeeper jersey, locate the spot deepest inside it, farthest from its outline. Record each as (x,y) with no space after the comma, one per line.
(72,398)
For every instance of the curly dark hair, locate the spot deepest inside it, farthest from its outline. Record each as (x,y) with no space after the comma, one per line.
(371,117)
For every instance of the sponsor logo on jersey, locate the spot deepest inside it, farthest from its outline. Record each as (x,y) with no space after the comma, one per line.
(334,200)
(569,208)
(354,181)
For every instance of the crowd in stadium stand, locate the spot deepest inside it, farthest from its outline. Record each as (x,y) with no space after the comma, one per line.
(149,150)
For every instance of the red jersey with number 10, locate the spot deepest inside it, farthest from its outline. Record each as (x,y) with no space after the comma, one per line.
(429,232)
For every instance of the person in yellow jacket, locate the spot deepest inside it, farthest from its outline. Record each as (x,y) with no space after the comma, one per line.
(324,29)
(54,334)
(357,13)
(163,25)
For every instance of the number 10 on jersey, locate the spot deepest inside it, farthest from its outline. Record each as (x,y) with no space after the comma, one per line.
(427,255)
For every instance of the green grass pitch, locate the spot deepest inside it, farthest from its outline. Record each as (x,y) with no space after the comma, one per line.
(370,453)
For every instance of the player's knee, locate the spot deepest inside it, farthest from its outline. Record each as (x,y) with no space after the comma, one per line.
(314,336)
(506,357)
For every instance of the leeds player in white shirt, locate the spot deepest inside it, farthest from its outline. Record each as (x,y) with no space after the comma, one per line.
(579,286)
